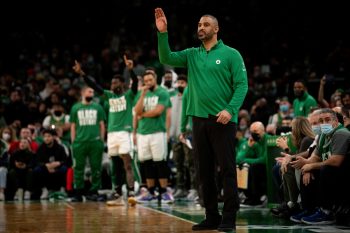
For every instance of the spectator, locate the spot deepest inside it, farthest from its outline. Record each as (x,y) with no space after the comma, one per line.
(58,118)
(303,102)
(254,155)
(322,184)
(25,133)
(302,138)
(20,174)
(3,167)
(16,109)
(50,173)
(285,109)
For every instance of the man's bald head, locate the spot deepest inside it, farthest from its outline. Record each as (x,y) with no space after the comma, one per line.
(257,127)
(313,117)
(213,18)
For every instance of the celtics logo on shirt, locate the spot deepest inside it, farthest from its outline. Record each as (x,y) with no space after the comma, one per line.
(326,155)
(150,103)
(117,104)
(87,117)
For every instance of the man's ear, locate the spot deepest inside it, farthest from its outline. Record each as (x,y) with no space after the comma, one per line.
(216,29)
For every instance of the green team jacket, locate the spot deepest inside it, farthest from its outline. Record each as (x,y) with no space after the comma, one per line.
(217,79)
(186,121)
(303,105)
(253,155)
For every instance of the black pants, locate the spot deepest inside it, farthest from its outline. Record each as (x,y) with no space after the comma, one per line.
(256,182)
(214,144)
(18,178)
(52,181)
(185,174)
(326,190)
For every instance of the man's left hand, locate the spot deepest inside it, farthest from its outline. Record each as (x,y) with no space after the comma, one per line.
(223,117)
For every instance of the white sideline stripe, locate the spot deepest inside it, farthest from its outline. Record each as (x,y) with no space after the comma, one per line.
(170,215)
(69,206)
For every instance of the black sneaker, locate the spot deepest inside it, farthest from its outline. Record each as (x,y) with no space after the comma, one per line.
(96,197)
(252,203)
(102,197)
(92,197)
(226,227)
(208,224)
(228,223)
(77,198)
(280,210)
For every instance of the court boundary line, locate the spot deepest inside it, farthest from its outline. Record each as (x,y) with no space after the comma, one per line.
(69,206)
(167,214)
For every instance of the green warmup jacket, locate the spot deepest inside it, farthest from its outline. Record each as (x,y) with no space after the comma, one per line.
(217,79)
(255,154)
(303,105)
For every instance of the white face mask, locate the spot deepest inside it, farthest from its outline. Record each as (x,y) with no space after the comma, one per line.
(6,136)
(242,127)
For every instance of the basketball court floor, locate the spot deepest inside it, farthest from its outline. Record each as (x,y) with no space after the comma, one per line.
(95,217)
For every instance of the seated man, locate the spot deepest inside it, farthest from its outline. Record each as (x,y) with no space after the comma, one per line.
(50,174)
(255,156)
(323,174)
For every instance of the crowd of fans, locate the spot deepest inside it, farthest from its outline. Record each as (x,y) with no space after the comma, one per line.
(287,89)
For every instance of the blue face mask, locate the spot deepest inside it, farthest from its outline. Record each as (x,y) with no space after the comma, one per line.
(326,128)
(284,108)
(316,129)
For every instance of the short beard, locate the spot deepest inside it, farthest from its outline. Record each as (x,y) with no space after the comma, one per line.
(206,37)
(118,91)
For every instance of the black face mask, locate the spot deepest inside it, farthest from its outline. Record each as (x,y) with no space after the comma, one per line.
(168,83)
(180,89)
(256,137)
(58,113)
(151,88)
(283,129)
(118,90)
(88,98)
(299,93)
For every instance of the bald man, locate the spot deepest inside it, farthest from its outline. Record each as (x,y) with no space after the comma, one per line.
(254,155)
(217,86)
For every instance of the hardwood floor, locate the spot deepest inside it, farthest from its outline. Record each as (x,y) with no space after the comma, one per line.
(92,217)
(85,217)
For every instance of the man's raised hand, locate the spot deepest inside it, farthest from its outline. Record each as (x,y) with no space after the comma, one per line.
(77,68)
(161,21)
(128,63)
